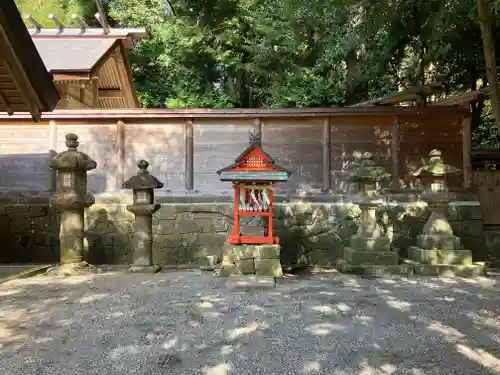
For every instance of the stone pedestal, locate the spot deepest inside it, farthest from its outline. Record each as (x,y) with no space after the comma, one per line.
(370,247)
(438,251)
(257,260)
(143,238)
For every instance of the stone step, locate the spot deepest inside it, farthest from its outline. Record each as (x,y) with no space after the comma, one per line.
(409,268)
(374,269)
(432,257)
(448,270)
(355,257)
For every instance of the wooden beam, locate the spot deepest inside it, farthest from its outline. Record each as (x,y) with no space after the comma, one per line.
(110,94)
(95,92)
(5,102)
(120,154)
(19,77)
(467,149)
(395,151)
(326,160)
(257,127)
(189,156)
(122,75)
(52,153)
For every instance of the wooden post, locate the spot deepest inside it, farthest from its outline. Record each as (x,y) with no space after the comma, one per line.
(189,156)
(395,151)
(120,154)
(257,127)
(467,148)
(327,176)
(52,154)
(95,92)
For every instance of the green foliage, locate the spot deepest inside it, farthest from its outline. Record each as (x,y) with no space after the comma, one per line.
(284,53)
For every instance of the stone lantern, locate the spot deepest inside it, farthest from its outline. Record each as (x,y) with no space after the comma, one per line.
(370,246)
(71,199)
(143,185)
(438,250)
(434,176)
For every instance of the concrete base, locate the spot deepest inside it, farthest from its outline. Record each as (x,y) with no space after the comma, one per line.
(259,260)
(438,241)
(356,257)
(144,269)
(434,257)
(251,282)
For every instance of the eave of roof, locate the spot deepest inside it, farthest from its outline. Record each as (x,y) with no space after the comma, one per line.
(27,55)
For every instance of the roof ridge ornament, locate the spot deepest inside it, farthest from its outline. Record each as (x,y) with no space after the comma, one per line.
(255,139)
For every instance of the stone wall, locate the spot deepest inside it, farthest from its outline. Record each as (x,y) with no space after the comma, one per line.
(312,231)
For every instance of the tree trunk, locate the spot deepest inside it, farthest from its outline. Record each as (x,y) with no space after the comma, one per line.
(489,58)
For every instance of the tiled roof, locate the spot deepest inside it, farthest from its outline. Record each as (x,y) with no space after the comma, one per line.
(72,54)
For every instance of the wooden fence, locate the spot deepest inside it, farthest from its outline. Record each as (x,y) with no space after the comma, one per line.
(186,147)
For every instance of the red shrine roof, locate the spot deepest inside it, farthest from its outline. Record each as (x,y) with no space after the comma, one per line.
(254,164)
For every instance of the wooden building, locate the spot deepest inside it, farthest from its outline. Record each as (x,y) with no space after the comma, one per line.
(89,67)
(25,85)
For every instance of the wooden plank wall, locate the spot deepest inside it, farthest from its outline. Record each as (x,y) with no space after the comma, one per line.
(320,151)
(350,138)
(296,145)
(24,158)
(99,142)
(162,146)
(216,144)
(419,135)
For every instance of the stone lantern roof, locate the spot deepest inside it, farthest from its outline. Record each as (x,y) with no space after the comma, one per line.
(368,171)
(142,180)
(436,167)
(72,159)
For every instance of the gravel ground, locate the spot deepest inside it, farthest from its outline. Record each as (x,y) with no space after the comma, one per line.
(190,323)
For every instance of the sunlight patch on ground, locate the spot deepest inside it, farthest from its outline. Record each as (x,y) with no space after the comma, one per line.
(93,297)
(238,332)
(311,367)
(220,369)
(480,356)
(323,329)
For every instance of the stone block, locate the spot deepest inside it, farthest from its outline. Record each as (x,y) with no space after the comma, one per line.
(450,270)
(356,257)
(492,239)
(248,283)
(438,242)
(208,263)
(144,269)
(238,252)
(246,266)
(268,267)
(229,269)
(375,270)
(433,257)
(472,228)
(375,244)
(470,211)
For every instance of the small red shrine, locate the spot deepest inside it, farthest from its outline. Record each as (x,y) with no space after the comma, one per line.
(253,174)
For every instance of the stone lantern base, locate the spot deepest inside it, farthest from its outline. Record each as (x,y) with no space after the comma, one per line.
(258,260)
(441,255)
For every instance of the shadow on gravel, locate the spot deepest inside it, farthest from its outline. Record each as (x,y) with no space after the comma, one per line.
(187,323)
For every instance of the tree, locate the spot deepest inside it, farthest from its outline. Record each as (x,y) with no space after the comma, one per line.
(490,58)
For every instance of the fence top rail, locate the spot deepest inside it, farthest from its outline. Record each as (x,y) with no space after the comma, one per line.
(162,113)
